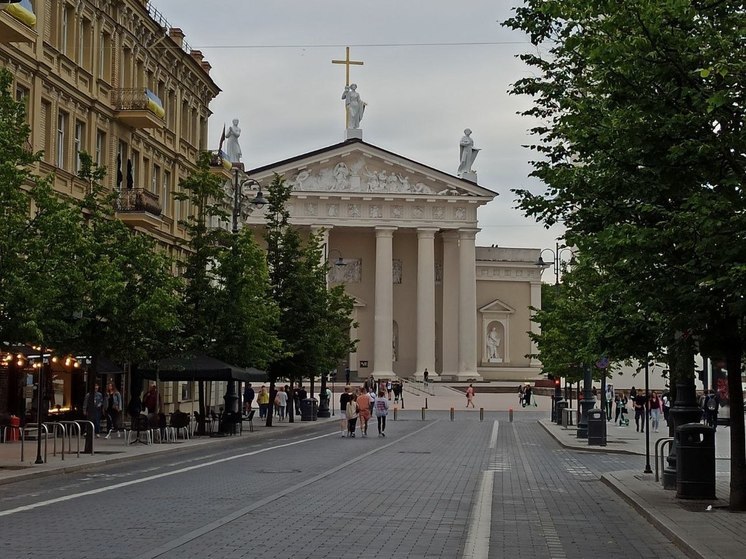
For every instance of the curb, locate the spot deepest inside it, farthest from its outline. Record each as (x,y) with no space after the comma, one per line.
(587,448)
(672,536)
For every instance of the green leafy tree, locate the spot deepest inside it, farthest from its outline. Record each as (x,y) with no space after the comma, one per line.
(129,306)
(314,321)
(640,125)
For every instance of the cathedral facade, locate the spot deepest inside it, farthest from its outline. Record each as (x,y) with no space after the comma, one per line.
(401,238)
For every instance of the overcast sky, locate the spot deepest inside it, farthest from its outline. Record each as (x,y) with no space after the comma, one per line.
(431,68)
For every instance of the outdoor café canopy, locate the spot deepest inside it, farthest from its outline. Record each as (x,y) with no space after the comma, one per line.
(199,368)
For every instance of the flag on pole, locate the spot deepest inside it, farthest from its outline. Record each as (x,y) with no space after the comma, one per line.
(222,139)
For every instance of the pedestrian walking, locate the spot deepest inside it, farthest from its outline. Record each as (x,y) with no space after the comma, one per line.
(113,404)
(666,400)
(281,401)
(389,389)
(352,411)
(655,405)
(425,377)
(470,396)
(263,401)
(527,395)
(364,407)
(248,398)
(381,411)
(640,405)
(344,398)
(623,400)
(93,404)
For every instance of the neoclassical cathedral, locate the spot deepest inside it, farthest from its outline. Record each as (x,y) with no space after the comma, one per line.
(400,236)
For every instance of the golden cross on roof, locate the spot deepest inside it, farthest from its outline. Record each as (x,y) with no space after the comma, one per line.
(347,62)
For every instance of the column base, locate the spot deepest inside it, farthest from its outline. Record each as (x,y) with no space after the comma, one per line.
(461,377)
(380,375)
(430,376)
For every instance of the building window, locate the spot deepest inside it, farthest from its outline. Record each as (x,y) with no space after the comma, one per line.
(84,45)
(156,180)
(100,148)
(166,194)
(135,179)
(121,165)
(104,58)
(22,96)
(46,129)
(79,142)
(61,139)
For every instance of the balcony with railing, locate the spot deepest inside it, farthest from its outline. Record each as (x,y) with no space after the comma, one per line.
(138,207)
(138,107)
(17,22)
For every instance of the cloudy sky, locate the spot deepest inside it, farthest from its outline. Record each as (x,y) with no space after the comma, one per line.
(431,68)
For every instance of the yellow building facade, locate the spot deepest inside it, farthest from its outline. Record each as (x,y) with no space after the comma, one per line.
(113,78)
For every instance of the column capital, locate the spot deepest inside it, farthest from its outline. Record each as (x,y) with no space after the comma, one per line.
(427,232)
(385,231)
(450,236)
(468,233)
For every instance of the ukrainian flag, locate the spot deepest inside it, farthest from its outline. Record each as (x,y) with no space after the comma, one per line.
(154,104)
(23,11)
(227,165)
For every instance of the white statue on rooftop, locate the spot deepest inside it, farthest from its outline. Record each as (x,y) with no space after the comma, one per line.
(232,149)
(468,153)
(354,104)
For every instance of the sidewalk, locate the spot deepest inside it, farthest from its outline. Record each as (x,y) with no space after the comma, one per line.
(699,532)
(107,451)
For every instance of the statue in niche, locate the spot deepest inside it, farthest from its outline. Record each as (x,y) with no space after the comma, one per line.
(493,345)
(396,270)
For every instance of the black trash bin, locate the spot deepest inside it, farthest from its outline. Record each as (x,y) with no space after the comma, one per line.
(309,409)
(596,427)
(560,407)
(695,462)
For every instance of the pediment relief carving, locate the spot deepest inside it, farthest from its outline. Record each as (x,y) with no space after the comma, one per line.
(366,176)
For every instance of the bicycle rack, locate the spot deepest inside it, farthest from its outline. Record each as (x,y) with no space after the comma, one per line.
(662,442)
(73,428)
(80,423)
(56,425)
(38,434)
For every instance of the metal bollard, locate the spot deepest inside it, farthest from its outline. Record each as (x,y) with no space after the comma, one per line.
(425,403)
(396,412)
(423,414)
(481,414)
(510,414)
(452,412)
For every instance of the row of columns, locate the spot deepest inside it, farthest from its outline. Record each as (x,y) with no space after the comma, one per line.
(459,331)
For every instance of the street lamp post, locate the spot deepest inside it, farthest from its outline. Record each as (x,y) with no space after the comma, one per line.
(556,261)
(231,396)
(323,399)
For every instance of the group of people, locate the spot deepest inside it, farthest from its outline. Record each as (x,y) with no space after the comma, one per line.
(363,403)
(525,395)
(653,406)
(108,405)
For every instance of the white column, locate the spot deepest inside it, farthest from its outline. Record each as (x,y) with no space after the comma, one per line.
(383,318)
(352,357)
(449,328)
(467,306)
(425,303)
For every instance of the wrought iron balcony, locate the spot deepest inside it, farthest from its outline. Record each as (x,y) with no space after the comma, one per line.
(139,208)
(138,107)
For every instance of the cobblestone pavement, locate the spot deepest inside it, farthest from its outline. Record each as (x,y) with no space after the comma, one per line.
(434,488)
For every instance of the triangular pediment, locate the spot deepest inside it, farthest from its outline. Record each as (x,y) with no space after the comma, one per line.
(497,307)
(356,168)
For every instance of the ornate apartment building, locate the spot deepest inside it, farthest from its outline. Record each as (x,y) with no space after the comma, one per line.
(113,78)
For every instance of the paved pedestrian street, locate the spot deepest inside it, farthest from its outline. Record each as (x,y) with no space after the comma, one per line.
(431,488)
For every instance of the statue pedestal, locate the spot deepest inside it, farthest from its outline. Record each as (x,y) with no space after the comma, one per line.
(357,133)
(494,360)
(469,176)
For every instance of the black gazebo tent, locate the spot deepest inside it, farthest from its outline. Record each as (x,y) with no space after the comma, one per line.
(199,367)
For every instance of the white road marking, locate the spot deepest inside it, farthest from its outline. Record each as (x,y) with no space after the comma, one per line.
(477,545)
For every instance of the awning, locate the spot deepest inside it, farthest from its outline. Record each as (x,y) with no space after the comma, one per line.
(199,368)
